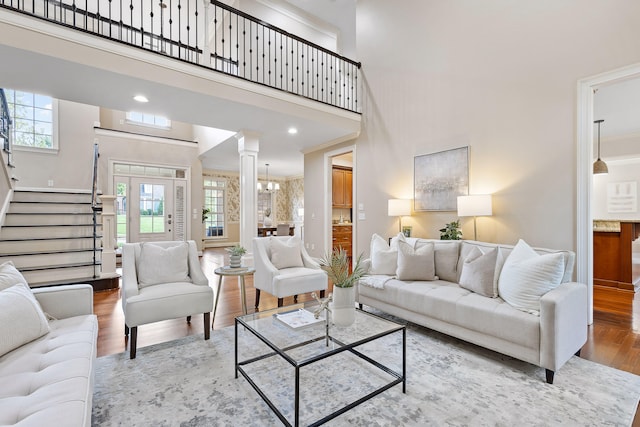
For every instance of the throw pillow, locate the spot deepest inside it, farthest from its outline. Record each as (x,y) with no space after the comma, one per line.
(9,275)
(158,264)
(478,272)
(384,259)
(416,264)
(527,276)
(286,253)
(446,258)
(21,318)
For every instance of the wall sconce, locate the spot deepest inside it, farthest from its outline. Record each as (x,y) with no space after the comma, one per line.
(599,166)
(399,208)
(475,206)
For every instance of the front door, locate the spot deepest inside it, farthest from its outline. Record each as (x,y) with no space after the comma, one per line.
(152,211)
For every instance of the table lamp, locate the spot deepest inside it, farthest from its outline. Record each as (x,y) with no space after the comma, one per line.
(399,208)
(475,206)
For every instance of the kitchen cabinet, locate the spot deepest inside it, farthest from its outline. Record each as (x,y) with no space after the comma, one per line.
(341,238)
(342,191)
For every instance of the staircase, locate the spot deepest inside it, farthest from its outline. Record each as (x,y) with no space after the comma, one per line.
(51,238)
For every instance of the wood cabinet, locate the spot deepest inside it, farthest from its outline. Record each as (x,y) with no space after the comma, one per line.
(341,236)
(613,264)
(342,191)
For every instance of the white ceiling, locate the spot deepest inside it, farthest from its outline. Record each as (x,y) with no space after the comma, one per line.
(618,105)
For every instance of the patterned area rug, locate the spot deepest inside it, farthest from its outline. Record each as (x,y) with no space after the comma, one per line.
(190,382)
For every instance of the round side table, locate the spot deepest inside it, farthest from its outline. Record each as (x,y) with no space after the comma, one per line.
(240,272)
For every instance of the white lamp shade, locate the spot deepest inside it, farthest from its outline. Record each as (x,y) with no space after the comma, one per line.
(259,186)
(476,205)
(300,211)
(399,207)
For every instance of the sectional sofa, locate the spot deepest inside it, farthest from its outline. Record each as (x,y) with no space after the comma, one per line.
(47,353)
(516,300)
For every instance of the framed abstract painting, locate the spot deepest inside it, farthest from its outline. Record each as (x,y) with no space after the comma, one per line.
(439,178)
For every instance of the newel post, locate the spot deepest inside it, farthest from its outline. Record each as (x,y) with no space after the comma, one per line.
(108,237)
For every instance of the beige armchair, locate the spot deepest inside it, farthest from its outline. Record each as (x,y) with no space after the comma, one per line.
(161,281)
(284,268)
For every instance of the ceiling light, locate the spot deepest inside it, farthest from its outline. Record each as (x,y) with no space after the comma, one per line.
(140,98)
(293,131)
(599,167)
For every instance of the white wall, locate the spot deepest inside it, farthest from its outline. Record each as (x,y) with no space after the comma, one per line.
(498,76)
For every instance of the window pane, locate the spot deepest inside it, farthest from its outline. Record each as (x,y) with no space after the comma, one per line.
(24,98)
(22,138)
(43,141)
(43,128)
(43,115)
(23,112)
(29,120)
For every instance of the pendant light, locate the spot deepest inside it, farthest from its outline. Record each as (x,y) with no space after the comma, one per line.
(599,166)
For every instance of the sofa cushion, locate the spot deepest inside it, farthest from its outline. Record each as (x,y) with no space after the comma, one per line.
(286,254)
(526,276)
(415,264)
(21,318)
(49,381)
(446,259)
(478,271)
(9,275)
(158,264)
(384,259)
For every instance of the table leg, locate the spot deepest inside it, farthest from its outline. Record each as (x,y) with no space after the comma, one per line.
(243,294)
(215,306)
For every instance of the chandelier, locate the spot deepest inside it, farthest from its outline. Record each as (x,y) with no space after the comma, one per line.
(271,186)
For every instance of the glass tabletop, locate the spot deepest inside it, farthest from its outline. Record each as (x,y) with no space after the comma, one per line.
(310,341)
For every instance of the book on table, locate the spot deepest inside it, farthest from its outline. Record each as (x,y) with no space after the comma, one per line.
(299,318)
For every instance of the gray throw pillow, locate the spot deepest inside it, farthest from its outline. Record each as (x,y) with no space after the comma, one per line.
(478,272)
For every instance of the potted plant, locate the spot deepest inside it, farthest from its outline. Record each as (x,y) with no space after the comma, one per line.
(451,231)
(267,218)
(205,214)
(235,255)
(336,264)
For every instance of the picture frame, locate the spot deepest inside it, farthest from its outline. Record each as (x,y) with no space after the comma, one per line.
(406,230)
(439,178)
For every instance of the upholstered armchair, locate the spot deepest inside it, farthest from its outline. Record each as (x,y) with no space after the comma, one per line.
(161,281)
(284,268)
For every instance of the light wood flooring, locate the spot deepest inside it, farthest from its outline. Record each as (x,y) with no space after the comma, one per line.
(613,339)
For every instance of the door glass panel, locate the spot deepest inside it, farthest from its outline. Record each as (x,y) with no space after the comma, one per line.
(152,208)
(121,213)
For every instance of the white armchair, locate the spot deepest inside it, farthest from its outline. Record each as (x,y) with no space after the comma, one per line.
(161,281)
(284,268)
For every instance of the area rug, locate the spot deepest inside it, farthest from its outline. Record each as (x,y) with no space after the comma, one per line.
(190,382)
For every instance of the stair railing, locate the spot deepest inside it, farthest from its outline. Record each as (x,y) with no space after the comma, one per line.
(96,207)
(5,126)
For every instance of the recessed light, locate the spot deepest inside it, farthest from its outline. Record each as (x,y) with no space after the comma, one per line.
(293,131)
(140,98)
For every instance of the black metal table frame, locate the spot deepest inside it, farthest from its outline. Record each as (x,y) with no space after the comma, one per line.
(399,378)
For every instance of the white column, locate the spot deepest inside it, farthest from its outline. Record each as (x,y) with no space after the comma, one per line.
(248,149)
(108,268)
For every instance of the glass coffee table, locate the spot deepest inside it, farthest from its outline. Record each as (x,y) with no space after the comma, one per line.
(277,352)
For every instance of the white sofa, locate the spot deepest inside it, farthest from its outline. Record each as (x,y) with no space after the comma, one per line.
(49,381)
(548,338)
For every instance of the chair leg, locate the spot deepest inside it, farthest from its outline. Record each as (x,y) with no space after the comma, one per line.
(257,298)
(126,330)
(549,373)
(321,294)
(188,319)
(295,298)
(133,342)
(207,326)
(280,300)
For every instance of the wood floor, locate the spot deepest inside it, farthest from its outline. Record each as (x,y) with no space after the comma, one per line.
(613,339)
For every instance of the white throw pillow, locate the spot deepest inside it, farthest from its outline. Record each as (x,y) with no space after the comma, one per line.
(21,318)
(384,259)
(416,264)
(286,253)
(478,272)
(527,276)
(9,275)
(158,264)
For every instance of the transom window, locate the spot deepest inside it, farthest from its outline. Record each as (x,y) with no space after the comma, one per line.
(146,119)
(213,211)
(33,119)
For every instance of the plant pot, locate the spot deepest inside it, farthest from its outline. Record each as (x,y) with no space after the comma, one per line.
(343,306)
(267,221)
(235,261)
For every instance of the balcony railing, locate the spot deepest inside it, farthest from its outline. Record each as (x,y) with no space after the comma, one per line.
(213,35)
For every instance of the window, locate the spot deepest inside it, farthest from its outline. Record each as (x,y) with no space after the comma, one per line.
(33,119)
(213,212)
(145,119)
(265,206)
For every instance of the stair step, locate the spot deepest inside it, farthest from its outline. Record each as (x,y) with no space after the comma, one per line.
(47,218)
(46,232)
(68,274)
(57,266)
(40,245)
(51,196)
(35,207)
(35,261)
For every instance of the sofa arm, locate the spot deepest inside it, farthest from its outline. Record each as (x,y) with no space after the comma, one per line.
(563,324)
(65,301)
